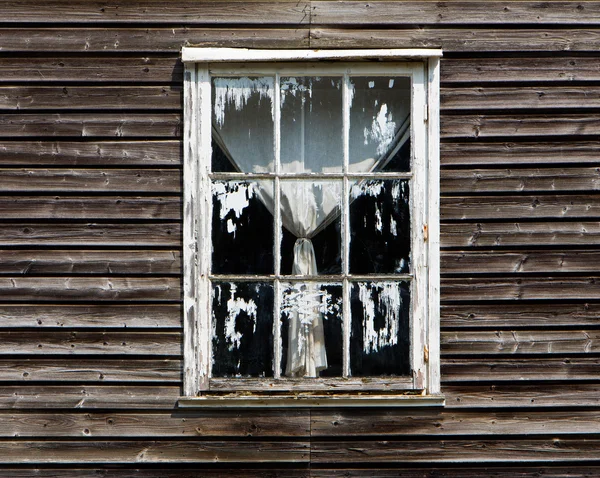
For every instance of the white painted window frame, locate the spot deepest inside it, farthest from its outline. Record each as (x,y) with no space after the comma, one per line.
(423,388)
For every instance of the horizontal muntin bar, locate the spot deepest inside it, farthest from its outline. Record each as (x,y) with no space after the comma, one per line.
(310,176)
(313,278)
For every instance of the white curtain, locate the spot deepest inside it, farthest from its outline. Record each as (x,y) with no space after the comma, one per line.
(311,141)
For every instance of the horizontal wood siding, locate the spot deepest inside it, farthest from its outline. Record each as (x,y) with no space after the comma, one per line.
(90,243)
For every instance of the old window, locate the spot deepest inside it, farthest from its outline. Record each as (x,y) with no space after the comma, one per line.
(311,227)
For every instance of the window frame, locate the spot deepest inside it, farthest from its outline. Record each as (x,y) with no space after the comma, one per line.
(423,388)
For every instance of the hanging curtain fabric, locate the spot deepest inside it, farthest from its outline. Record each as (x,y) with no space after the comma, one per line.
(311,126)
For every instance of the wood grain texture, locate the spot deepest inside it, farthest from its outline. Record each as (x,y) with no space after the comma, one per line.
(150,152)
(158,471)
(85,125)
(459,39)
(529,234)
(90,207)
(26,97)
(52,342)
(452,13)
(474,369)
(89,289)
(501,69)
(516,207)
(516,471)
(74,316)
(515,98)
(521,315)
(522,153)
(458,181)
(470,263)
(85,370)
(163,451)
(147,40)
(97,69)
(153,11)
(134,262)
(64,234)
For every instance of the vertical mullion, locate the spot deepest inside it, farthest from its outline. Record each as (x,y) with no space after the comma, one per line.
(277,229)
(346,226)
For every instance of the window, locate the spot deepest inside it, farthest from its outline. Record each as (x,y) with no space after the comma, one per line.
(311,227)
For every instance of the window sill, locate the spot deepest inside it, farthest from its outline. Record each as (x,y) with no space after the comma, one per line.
(307,400)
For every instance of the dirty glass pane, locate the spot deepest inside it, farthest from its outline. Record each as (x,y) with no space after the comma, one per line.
(311,124)
(311,320)
(242,329)
(242,227)
(379,119)
(379,334)
(310,215)
(243,124)
(380,227)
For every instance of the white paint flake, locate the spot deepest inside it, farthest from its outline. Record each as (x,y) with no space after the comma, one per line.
(232,196)
(307,300)
(237,91)
(236,305)
(382,130)
(389,306)
(391,83)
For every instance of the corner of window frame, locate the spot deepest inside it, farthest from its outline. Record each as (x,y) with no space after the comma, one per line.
(425,357)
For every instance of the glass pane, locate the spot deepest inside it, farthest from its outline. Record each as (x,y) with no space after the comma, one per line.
(380,227)
(311,124)
(379,334)
(310,215)
(311,330)
(242,227)
(379,123)
(243,119)
(242,329)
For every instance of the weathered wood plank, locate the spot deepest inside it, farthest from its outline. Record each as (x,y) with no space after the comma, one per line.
(90,97)
(174,472)
(473,369)
(91,180)
(455,451)
(51,342)
(408,422)
(471,262)
(91,68)
(90,207)
(496,70)
(27,397)
(453,13)
(541,152)
(459,39)
(93,153)
(89,289)
(91,316)
(521,315)
(517,471)
(517,342)
(163,451)
(505,180)
(528,234)
(166,424)
(165,125)
(153,11)
(534,288)
(515,98)
(147,40)
(98,370)
(515,207)
(519,395)
(31,262)
(26,234)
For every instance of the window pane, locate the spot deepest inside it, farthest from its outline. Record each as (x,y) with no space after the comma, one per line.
(310,215)
(379,335)
(243,124)
(242,329)
(380,227)
(379,123)
(242,227)
(311,124)
(311,326)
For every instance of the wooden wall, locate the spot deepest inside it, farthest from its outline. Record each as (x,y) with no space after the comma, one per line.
(90,243)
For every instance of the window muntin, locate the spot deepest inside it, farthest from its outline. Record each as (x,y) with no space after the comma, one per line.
(347,281)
